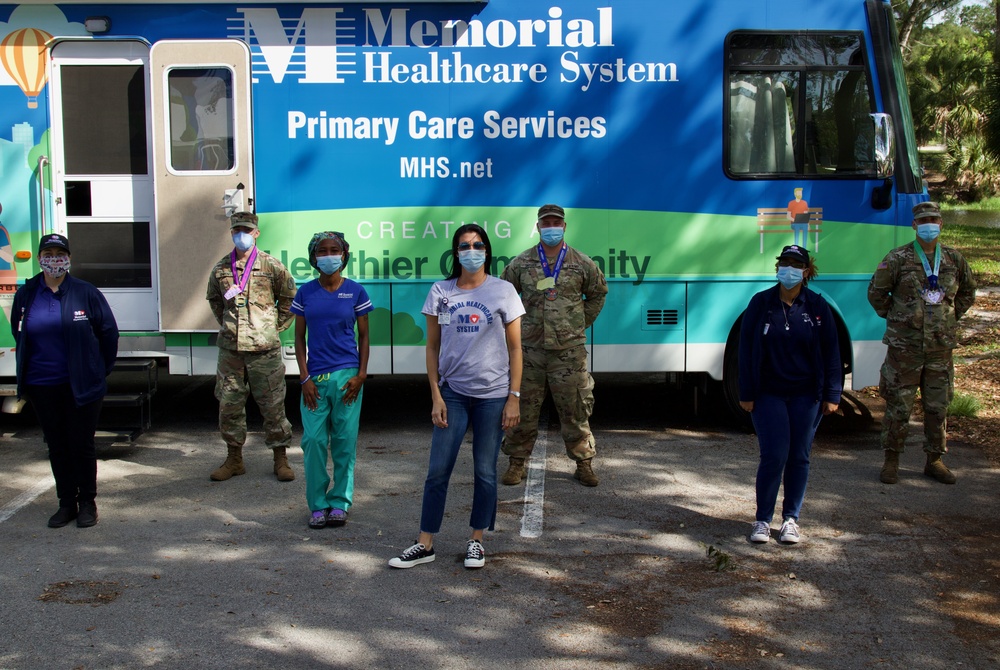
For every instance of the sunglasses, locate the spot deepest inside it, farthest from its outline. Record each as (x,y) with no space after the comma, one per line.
(478,246)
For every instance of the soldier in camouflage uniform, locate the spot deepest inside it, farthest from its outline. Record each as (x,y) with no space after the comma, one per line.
(251,311)
(563,291)
(921,289)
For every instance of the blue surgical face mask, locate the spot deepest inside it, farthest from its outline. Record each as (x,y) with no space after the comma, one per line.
(789,277)
(472,259)
(242,240)
(928,232)
(329,264)
(551,236)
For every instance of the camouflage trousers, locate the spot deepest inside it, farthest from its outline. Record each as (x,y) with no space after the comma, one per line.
(564,373)
(903,372)
(263,374)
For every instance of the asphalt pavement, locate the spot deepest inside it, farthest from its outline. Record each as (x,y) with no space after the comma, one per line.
(651,569)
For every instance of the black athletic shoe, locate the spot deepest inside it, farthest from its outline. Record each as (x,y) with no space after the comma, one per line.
(413,556)
(62,517)
(87,516)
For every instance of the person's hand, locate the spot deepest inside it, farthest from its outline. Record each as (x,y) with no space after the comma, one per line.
(511,413)
(830,408)
(746,405)
(352,388)
(310,394)
(439,413)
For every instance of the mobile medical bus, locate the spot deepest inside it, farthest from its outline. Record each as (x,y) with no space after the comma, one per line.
(688,141)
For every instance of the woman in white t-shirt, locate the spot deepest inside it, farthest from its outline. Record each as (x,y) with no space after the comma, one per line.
(474,370)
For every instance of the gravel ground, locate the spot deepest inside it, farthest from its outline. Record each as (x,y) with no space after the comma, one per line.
(651,569)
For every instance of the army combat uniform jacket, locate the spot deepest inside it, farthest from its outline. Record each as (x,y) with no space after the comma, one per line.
(560,323)
(253,324)
(910,323)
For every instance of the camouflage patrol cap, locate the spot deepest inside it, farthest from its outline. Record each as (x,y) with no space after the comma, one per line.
(551,210)
(247,219)
(926,210)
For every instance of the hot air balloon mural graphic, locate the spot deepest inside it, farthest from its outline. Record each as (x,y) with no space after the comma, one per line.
(25,58)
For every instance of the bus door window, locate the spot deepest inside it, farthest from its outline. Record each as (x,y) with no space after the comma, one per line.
(201,120)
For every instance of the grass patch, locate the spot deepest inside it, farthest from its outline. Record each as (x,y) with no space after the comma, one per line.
(980,246)
(987,205)
(963,404)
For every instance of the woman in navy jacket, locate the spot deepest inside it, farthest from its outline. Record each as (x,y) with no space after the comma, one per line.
(790,376)
(67,342)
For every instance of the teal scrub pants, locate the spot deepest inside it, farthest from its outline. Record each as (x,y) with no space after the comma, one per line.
(331,428)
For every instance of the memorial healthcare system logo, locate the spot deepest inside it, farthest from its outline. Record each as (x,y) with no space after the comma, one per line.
(331,45)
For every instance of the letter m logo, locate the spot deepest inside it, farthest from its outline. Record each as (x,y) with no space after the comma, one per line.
(305,47)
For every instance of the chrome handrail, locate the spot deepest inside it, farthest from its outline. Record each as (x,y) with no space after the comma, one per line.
(42,162)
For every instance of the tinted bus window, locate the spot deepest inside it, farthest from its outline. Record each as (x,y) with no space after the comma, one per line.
(799,105)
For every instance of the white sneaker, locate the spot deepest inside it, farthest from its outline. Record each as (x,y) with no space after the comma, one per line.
(789,532)
(761,532)
(475,555)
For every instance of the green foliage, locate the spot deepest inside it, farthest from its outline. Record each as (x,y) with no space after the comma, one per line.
(971,168)
(964,404)
(720,559)
(981,248)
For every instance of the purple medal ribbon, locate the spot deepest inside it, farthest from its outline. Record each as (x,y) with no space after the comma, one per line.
(247,269)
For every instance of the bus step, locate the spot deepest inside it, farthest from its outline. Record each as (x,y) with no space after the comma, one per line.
(128,404)
(112,436)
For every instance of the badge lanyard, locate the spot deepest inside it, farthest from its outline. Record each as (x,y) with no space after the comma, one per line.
(240,283)
(550,292)
(443,315)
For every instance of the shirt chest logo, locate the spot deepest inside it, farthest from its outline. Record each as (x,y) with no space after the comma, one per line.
(79,315)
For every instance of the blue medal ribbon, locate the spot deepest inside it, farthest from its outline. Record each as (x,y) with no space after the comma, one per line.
(549,272)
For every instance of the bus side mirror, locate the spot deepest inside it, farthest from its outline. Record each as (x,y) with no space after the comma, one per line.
(885,149)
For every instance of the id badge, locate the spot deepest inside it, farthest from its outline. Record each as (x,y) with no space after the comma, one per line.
(232,292)
(444,319)
(547,283)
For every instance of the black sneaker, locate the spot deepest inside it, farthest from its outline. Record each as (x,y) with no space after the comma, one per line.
(413,556)
(475,555)
(62,517)
(87,516)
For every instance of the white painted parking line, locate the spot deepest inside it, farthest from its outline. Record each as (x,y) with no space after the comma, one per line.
(534,488)
(11,508)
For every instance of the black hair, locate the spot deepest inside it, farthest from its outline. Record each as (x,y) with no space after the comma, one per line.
(456,267)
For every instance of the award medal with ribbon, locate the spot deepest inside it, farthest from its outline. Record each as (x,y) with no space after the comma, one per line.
(239,287)
(932,293)
(548,285)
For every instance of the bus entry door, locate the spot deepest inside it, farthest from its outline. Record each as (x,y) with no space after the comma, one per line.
(203,161)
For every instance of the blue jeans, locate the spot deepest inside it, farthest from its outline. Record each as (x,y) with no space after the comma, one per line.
(785,428)
(484,416)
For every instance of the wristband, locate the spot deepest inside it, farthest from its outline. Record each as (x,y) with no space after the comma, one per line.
(303,382)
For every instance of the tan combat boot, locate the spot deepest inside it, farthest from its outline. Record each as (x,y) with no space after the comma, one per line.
(890,467)
(233,466)
(515,472)
(585,474)
(281,469)
(938,470)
